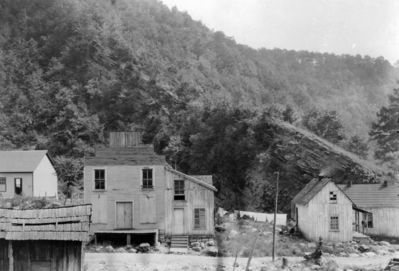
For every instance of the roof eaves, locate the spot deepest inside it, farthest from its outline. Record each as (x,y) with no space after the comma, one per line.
(195,180)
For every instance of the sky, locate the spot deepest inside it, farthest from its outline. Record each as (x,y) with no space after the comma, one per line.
(365,27)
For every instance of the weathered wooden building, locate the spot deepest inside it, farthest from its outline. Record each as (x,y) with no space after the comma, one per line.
(44,239)
(322,209)
(135,192)
(27,173)
(382,202)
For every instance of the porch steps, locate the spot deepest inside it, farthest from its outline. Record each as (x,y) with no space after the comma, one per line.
(179,243)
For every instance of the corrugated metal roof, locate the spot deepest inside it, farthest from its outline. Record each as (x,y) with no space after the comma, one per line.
(140,155)
(373,195)
(20,161)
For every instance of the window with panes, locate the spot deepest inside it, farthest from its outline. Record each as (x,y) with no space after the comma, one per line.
(99,179)
(3,184)
(334,223)
(199,218)
(147,178)
(179,190)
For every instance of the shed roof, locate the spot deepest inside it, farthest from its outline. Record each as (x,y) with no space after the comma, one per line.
(138,155)
(20,161)
(196,179)
(61,223)
(311,189)
(373,195)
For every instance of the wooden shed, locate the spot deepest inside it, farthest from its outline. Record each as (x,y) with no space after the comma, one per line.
(44,239)
(321,209)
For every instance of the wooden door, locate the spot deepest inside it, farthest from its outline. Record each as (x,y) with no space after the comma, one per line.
(124,215)
(178,221)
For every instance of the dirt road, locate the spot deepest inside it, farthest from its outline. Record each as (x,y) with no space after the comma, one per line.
(173,262)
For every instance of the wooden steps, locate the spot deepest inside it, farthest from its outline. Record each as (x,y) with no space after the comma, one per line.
(179,243)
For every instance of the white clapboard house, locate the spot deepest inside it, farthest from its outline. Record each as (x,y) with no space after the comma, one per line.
(27,173)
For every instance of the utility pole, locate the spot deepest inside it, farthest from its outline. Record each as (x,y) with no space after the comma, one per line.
(275,215)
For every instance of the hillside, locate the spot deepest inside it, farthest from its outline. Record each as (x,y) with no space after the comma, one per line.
(72,70)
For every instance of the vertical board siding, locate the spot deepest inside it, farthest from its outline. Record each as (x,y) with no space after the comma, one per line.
(314,218)
(125,139)
(196,196)
(385,222)
(47,255)
(3,255)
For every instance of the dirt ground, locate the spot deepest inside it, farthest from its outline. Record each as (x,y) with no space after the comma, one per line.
(174,262)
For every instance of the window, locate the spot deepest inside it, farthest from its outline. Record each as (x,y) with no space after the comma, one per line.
(3,184)
(179,190)
(333,197)
(199,218)
(18,186)
(334,225)
(147,178)
(99,179)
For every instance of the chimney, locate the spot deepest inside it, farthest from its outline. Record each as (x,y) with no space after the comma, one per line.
(125,139)
(349,183)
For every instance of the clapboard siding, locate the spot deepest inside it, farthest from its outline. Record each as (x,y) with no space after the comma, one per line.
(27,184)
(152,209)
(123,184)
(385,220)
(314,218)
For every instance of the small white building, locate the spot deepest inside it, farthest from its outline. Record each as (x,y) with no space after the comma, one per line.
(27,173)
(382,201)
(322,209)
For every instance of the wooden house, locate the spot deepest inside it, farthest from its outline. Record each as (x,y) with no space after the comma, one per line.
(382,202)
(135,193)
(44,239)
(322,209)
(27,173)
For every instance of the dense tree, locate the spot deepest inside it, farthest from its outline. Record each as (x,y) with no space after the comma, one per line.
(70,175)
(385,132)
(325,124)
(73,70)
(357,146)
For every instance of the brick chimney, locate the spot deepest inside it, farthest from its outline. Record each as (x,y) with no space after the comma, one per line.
(125,139)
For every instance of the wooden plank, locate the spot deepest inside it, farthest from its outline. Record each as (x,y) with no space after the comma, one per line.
(10,257)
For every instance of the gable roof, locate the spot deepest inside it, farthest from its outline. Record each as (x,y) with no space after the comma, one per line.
(21,161)
(311,189)
(373,195)
(192,178)
(138,155)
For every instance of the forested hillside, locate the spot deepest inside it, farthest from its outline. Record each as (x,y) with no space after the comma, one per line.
(72,70)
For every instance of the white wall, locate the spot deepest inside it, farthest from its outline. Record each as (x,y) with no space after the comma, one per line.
(385,222)
(314,218)
(27,188)
(45,181)
(123,184)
